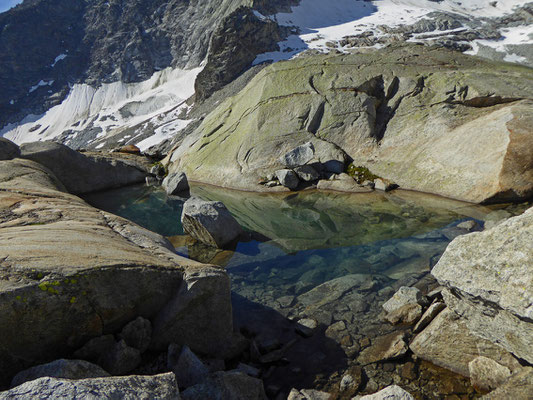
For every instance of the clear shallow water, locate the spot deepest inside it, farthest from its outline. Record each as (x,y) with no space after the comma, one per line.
(307,238)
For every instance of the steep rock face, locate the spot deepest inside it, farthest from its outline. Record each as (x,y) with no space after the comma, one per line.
(97,41)
(70,272)
(428,119)
(490,283)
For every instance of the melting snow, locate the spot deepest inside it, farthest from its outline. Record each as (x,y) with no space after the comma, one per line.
(41,83)
(321,22)
(57,59)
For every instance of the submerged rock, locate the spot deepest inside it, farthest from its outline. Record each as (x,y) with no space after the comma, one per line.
(384,348)
(67,369)
(210,222)
(117,387)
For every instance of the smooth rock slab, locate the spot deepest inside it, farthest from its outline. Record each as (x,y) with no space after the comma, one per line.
(66,369)
(491,278)
(162,387)
(210,222)
(393,392)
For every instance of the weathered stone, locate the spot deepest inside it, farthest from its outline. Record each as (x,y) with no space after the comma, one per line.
(429,315)
(175,183)
(66,369)
(404,296)
(210,222)
(71,272)
(116,387)
(80,173)
(288,178)
(232,385)
(8,149)
(487,374)
(519,386)
(384,348)
(137,334)
(384,185)
(298,156)
(491,281)
(307,173)
(407,314)
(189,369)
(393,392)
(306,327)
(448,343)
(130,149)
(121,359)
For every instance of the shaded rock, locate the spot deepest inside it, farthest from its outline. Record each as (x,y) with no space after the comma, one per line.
(307,173)
(306,327)
(495,218)
(384,348)
(288,178)
(96,348)
(175,183)
(298,156)
(487,374)
(117,387)
(67,369)
(491,281)
(249,370)
(80,173)
(232,385)
(8,149)
(393,392)
(429,315)
(121,359)
(71,272)
(519,386)
(448,343)
(210,222)
(137,334)
(189,369)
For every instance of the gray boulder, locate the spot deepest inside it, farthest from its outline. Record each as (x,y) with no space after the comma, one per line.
(67,369)
(307,173)
(176,182)
(210,222)
(133,387)
(189,369)
(490,277)
(392,392)
(405,306)
(137,334)
(288,178)
(121,359)
(80,173)
(232,385)
(8,149)
(298,156)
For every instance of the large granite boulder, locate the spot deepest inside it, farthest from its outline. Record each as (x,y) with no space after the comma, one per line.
(8,149)
(489,275)
(133,387)
(210,222)
(67,369)
(175,183)
(70,272)
(427,119)
(80,173)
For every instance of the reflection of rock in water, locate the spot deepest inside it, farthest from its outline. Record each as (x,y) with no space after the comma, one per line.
(323,220)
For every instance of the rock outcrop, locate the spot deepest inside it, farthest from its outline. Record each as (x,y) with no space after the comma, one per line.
(8,149)
(80,173)
(427,119)
(490,283)
(117,387)
(70,273)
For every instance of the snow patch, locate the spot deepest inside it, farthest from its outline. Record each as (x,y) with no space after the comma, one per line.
(57,59)
(41,83)
(112,106)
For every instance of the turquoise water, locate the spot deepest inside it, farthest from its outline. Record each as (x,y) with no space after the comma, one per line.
(301,240)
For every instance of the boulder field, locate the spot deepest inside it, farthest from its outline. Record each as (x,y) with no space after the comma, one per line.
(70,273)
(425,118)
